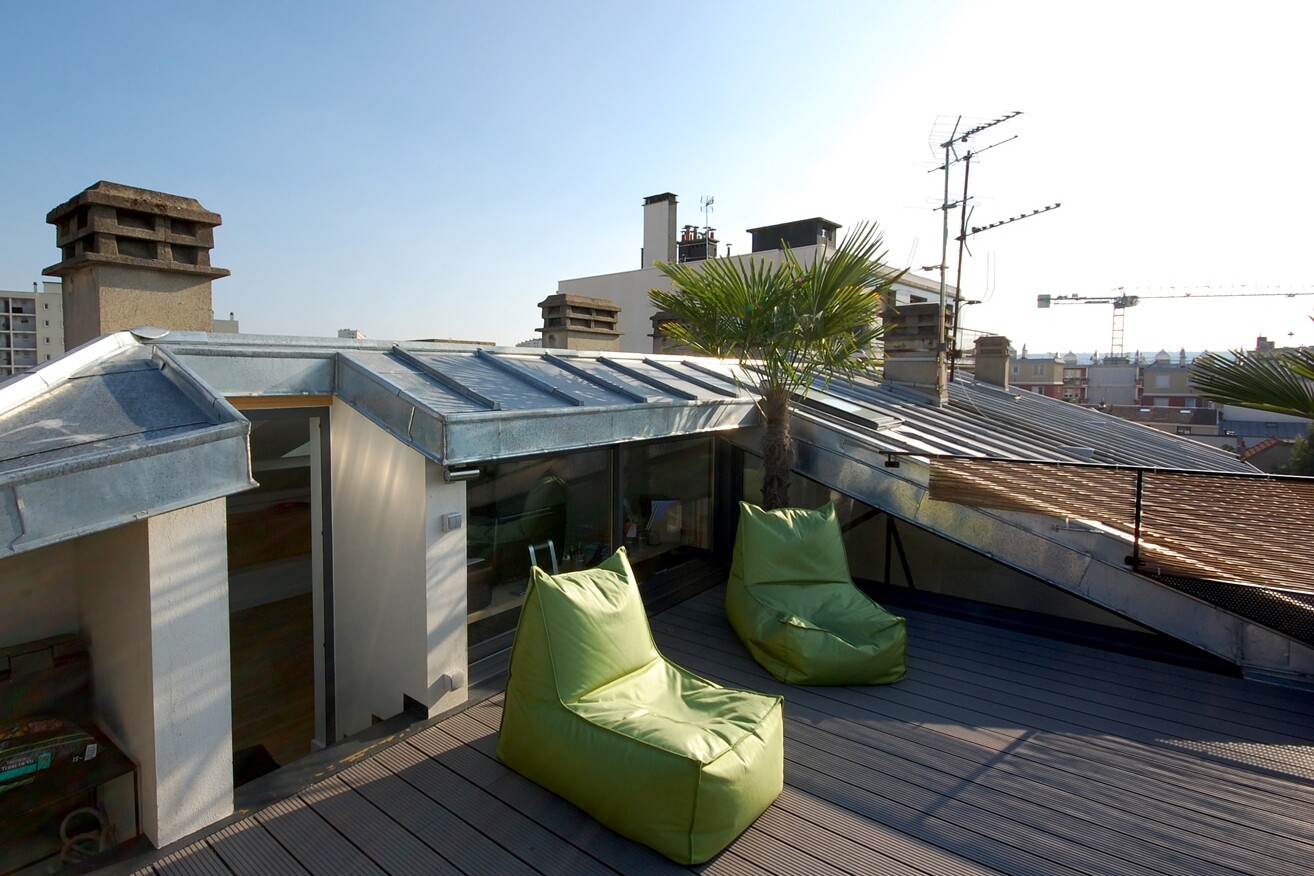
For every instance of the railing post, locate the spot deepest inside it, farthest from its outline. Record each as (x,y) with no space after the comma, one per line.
(1134,561)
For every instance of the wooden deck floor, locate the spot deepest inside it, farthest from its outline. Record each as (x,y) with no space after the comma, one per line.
(1001,753)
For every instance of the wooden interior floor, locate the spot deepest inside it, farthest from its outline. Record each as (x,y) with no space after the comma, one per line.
(273,678)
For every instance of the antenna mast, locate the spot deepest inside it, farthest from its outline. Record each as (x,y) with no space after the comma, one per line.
(951,157)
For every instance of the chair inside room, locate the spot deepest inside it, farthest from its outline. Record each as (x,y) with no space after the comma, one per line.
(548,551)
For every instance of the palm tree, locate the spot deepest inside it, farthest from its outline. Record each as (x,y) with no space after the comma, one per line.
(1278,381)
(786,323)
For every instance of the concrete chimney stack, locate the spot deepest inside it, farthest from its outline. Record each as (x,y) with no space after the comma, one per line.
(912,349)
(133,257)
(578,322)
(658,229)
(994,360)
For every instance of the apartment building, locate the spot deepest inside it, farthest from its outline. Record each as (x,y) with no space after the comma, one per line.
(31,327)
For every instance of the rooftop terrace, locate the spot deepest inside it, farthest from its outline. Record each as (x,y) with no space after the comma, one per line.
(1001,753)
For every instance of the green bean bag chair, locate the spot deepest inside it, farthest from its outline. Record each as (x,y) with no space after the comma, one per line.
(596,714)
(792,603)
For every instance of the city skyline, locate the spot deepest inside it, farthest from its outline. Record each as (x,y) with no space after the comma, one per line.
(420,170)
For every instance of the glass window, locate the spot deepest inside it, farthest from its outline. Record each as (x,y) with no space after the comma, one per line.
(559,506)
(563,507)
(667,503)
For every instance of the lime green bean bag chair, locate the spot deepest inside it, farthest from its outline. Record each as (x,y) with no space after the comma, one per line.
(792,603)
(596,714)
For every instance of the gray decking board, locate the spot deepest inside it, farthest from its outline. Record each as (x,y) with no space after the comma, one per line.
(472,757)
(470,851)
(1001,754)
(957,691)
(1208,709)
(894,701)
(908,791)
(817,706)
(1208,701)
(195,860)
(317,846)
(1045,705)
(477,726)
(1015,646)
(834,834)
(1062,794)
(907,846)
(246,847)
(1189,836)
(1056,665)
(1047,824)
(933,699)
(454,792)
(1163,796)
(394,849)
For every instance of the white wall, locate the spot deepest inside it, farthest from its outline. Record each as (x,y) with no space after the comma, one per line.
(115,600)
(154,607)
(317,555)
(630,289)
(445,593)
(398,580)
(1251,415)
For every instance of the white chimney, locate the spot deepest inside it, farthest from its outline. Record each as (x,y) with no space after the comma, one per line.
(658,229)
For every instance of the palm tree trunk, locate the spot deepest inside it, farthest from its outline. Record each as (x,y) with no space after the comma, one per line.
(777,449)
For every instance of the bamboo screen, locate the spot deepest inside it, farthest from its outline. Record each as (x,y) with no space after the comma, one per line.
(1104,494)
(1250,530)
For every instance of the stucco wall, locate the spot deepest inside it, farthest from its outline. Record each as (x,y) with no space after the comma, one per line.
(630,289)
(39,589)
(156,617)
(116,619)
(191,666)
(108,298)
(398,580)
(445,593)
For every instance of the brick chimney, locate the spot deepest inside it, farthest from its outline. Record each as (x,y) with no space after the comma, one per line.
(912,349)
(658,229)
(133,257)
(994,360)
(578,322)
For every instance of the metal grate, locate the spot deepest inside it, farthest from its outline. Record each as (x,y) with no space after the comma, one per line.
(1291,614)
(1246,529)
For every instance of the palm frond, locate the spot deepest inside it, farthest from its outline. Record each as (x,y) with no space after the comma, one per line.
(797,321)
(1271,381)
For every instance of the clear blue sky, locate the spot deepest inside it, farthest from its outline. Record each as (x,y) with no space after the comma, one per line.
(432,169)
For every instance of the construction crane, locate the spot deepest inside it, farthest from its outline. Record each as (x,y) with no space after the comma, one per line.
(1122,300)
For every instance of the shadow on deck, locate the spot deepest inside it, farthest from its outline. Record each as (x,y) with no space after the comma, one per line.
(1001,753)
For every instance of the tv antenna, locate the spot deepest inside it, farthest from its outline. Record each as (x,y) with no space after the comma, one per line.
(705,204)
(951,148)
